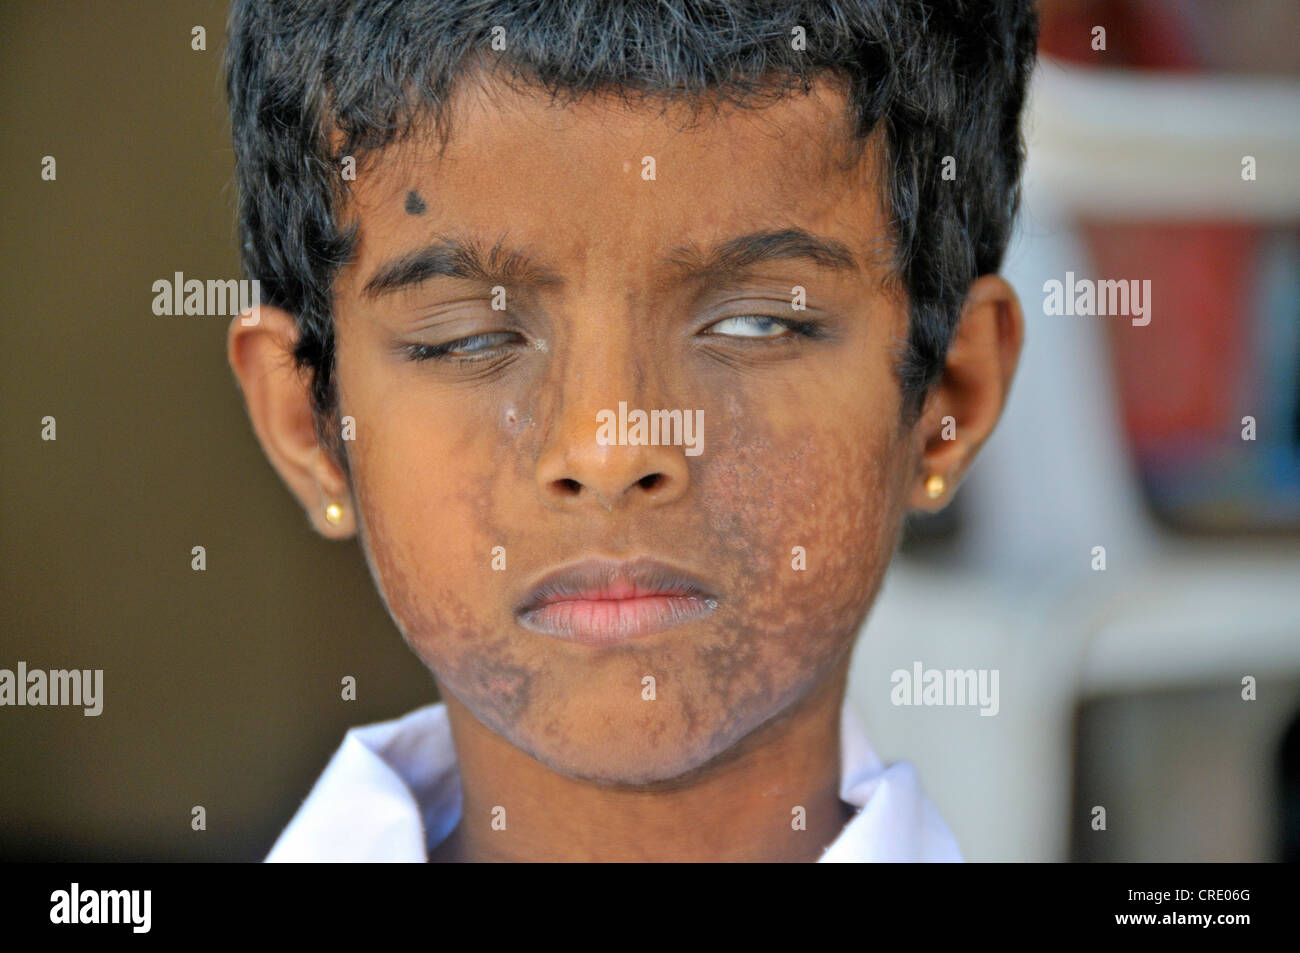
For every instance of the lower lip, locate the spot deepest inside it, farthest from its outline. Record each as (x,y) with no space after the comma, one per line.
(602,622)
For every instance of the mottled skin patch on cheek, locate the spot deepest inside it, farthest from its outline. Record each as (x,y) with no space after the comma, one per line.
(765,492)
(498,688)
(423,565)
(469,660)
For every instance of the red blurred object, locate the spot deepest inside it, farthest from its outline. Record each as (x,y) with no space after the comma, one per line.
(1179,377)
(1148,34)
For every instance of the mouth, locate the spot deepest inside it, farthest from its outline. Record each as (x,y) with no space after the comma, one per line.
(603,602)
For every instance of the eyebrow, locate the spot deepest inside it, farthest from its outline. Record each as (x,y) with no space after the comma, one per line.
(735,256)
(467,259)
(499,265)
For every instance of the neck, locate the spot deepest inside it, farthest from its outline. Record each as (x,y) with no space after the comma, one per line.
(738,808)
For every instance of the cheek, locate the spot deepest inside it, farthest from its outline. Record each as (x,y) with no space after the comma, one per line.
(804,518)
(807,517)
(426,494)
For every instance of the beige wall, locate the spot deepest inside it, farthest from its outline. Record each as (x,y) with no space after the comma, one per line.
(221,687)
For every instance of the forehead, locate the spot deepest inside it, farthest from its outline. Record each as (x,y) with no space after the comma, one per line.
(625,182)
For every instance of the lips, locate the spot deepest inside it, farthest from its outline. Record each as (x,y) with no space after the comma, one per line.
(603,602)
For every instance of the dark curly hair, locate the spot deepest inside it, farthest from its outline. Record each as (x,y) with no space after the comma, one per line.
(313,81)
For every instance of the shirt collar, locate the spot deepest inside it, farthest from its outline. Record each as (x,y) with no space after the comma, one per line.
(392,791)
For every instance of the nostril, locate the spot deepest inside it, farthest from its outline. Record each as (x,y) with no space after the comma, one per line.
(572,487)
(650,481)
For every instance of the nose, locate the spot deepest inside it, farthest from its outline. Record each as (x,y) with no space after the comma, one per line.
(577,470)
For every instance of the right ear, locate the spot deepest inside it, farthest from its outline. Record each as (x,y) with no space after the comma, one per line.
(260,348)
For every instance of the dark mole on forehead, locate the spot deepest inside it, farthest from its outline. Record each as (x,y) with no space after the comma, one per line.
(414,204)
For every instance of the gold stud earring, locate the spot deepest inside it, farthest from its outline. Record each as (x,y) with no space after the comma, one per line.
(334,514)
(934,486)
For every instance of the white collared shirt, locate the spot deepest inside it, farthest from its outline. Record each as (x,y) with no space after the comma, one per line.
(392,793)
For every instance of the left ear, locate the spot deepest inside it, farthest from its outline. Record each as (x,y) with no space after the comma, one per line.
(968,398)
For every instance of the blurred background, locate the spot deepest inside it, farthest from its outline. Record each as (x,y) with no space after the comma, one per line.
(1120,688)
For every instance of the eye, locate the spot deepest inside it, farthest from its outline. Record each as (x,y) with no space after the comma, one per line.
(473,348)
(760,327)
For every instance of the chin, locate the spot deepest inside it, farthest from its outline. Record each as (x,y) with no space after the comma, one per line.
(608,743)
(616,762)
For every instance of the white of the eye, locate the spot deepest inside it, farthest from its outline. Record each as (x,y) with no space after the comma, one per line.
(751,321)
(478,342)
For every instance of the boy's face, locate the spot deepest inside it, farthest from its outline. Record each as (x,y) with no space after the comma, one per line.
(493,442)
